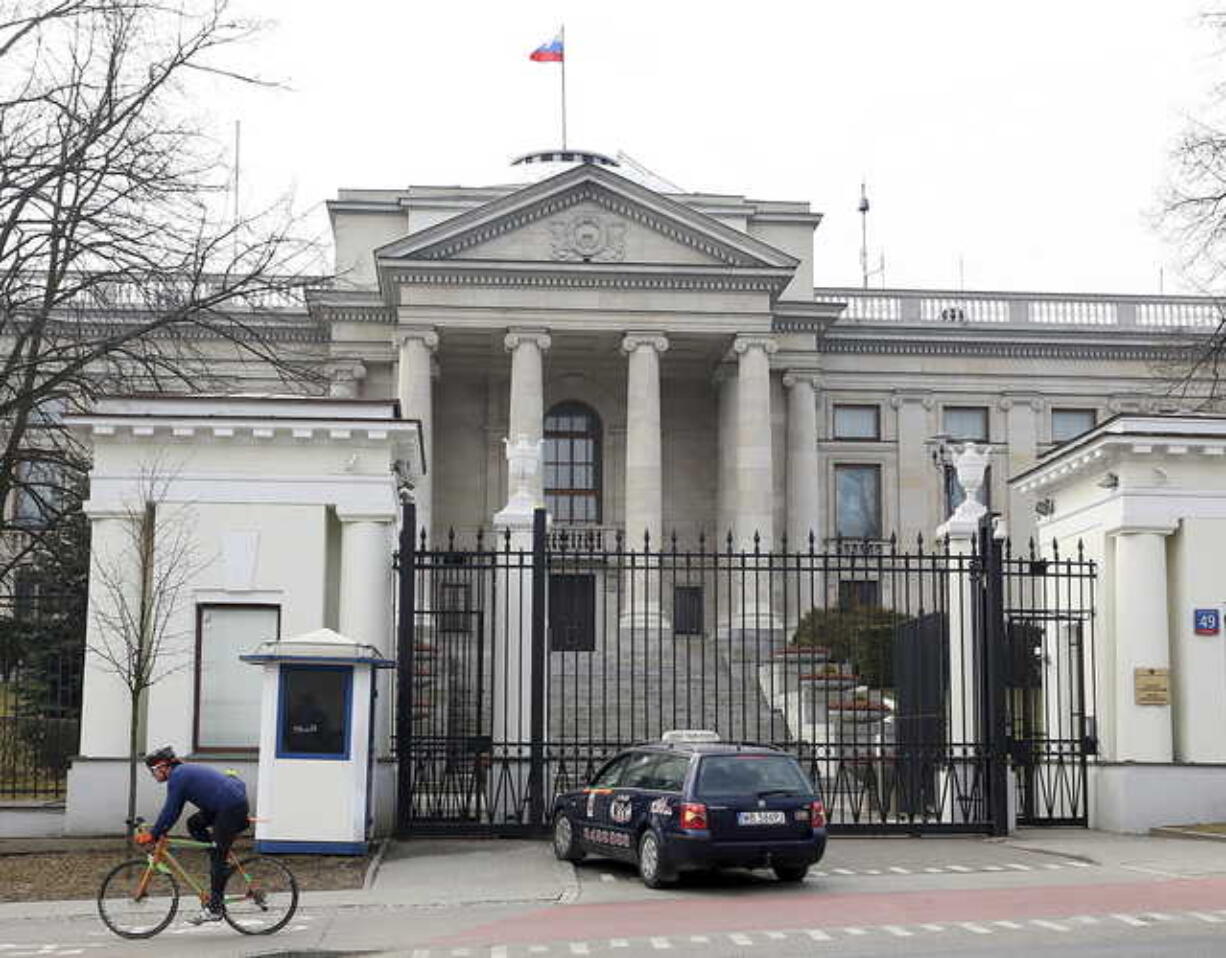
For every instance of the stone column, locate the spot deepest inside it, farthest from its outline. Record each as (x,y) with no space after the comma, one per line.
(1022,414)
(414,389)
(755,488)
(915,502)
(725,383)
(366,578)
(970,462)
(754,480)
(526,419)
(1142,641)
(365,607)
(803,480)
(644,478)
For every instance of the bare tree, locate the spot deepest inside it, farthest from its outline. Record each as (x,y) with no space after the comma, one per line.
(137,590)
(123,268)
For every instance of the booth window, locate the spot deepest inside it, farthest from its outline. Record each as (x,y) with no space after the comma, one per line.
(227,689)
(572,463)
(313,711)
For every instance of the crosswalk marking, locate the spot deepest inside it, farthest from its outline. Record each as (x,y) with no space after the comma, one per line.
(854,931)
(897,931)
(579,948)
(699,939)
(1072,864)
(899,871)
(934,871)
(1017,866)
(776,935)
(817,934)
(842,871)
(605,876)
(1011,925)
(974,928)
(1211,919)
(932,927)
(1049,925)
(959,868)
(739,939)
(1130,920)
(619,943)
(1084,919)
(498,951)
(661,943)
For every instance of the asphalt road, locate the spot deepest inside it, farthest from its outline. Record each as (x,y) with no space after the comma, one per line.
(870,897)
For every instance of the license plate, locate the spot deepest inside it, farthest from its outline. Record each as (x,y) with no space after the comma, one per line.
(760,818)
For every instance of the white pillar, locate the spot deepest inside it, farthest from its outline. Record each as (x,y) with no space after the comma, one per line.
(644,475)
(1142,641)
(755,487)
(803,495)
(725,382)
(526,418)
(754,481)
(414,389)
(365,606)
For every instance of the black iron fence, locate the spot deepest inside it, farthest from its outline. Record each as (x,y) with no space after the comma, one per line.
(903,680)
(42,647)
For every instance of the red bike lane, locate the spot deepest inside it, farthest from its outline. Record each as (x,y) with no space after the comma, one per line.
(678,916)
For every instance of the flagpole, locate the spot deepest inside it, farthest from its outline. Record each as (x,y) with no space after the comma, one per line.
(562,34)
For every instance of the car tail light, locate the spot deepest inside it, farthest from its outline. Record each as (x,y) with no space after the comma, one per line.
(693,815)
(817,815)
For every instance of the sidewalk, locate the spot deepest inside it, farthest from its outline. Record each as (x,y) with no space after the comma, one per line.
(450,872)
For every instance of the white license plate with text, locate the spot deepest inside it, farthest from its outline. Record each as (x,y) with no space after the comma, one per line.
(760,818)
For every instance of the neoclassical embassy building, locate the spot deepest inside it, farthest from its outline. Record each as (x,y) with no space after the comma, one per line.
(683,375)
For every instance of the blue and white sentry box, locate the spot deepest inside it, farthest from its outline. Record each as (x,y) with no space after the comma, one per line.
(315,743)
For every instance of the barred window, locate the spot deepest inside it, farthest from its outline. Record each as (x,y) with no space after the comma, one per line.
(857,494)
(573,463)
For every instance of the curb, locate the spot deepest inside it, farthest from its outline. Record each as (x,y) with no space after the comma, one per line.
(376,860)
(1178,831)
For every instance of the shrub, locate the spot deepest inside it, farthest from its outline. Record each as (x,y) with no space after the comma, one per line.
(862,636)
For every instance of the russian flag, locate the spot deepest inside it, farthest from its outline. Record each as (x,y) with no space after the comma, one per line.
(550,52)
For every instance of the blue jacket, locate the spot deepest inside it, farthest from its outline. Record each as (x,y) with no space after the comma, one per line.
(206,788)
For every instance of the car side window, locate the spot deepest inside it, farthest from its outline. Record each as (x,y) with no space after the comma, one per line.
(638,772)
(610,775)
(668,775)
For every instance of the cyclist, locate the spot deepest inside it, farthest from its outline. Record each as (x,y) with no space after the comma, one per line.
(222,800)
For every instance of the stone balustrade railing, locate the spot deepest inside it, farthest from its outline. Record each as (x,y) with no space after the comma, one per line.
(269,293)
(943,307)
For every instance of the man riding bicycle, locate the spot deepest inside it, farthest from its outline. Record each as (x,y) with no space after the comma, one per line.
(222,800)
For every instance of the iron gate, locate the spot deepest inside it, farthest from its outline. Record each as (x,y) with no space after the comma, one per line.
(903,681)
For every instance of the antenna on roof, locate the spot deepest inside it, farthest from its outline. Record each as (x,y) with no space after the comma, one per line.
(863,207)
(651,178)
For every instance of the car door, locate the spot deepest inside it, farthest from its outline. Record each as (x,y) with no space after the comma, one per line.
(593,824)
(629,802)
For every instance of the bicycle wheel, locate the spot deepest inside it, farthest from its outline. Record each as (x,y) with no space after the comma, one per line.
(133,906)
(261,896)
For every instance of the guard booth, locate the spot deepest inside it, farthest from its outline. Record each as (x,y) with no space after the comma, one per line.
(315,743)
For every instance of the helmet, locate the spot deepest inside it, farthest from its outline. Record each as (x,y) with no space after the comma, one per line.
(161,755)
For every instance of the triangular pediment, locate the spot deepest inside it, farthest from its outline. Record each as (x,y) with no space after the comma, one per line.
(586,215)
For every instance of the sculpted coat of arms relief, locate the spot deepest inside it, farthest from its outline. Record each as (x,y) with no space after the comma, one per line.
(588,238)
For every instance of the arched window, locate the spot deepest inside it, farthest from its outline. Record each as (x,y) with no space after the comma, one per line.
(572,463)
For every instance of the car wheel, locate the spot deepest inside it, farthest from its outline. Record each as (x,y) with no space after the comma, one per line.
(651,863)
(791,873)
(565,845)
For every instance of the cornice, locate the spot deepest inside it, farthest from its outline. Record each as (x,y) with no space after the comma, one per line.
(588,276)
(1010,350)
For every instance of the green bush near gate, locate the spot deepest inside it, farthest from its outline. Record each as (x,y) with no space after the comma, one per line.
(862,636)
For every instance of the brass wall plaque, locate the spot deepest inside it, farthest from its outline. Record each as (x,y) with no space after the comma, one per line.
(1152,686)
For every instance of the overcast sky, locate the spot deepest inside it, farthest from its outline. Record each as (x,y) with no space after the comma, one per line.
(1006,145)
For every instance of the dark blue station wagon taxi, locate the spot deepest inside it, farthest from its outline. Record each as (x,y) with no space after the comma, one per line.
(691,802)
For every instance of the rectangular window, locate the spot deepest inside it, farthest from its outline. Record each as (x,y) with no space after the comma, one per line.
(227,689)
(1067,424)
(454,606)
(857,422)
(857,493)
(966,423)
(687,610)
(572,613)
(313,711)
(859,594)
(38,495)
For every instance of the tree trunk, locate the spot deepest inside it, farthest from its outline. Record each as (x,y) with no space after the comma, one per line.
(133,711)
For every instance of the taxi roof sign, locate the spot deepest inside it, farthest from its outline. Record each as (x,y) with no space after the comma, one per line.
(691,735)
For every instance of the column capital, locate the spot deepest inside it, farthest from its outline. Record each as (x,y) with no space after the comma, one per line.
(742,344)
(425,335)
(797,377)
(634,341)
(899,399)
(518,337)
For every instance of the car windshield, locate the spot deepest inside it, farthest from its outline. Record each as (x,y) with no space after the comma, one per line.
(751,775)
